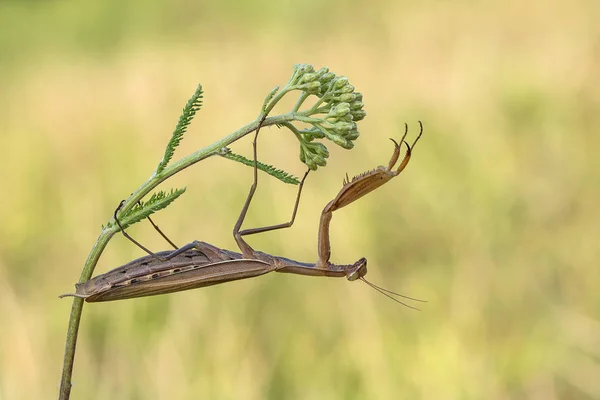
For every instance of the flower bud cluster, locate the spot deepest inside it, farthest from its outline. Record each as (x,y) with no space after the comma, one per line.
(330,88)
(334,115)
(313,154)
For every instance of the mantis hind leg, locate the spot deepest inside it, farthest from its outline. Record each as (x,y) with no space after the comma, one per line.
(162,234)
(138,244)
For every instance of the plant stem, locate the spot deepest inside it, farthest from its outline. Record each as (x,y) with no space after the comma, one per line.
(76,310)
(111,229)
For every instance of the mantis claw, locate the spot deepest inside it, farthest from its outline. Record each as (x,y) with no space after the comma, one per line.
(367,182)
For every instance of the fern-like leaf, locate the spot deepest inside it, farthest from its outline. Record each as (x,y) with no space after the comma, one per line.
(269,169)
(142,210)
(188,113)
(269,98)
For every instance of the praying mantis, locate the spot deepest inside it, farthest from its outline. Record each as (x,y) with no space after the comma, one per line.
(200,264)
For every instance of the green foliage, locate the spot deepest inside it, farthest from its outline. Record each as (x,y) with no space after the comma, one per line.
(142,210)
(188,113)
(269,169)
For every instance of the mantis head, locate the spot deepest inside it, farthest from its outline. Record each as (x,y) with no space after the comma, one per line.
(358,270)
(356,188)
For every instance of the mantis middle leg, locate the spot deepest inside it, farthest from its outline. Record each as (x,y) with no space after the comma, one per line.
(245,248)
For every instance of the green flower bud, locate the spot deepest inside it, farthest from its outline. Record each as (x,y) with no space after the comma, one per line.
(332,100)
(349,145)
(311,165)
(347,89)
(299,71)
(359,115)
(322,150)
(311,87)
(309,77)
(344,126)
(340,141)
(352,135)
(341,82)
(321,72)
(356,105)
(327,77)
(347,118)
(359,96)
(313,155)
(339,110)
(320,161)
(346,98)
(312,133)
(318,148)
(305,68)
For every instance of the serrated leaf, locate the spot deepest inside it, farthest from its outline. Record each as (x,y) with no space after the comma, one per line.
(142,210)
(188,113)
(269,98)
(269,169)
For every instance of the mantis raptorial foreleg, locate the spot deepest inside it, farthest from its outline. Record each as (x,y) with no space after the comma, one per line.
(356,188)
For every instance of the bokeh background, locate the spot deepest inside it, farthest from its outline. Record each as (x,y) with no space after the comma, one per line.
(495,221)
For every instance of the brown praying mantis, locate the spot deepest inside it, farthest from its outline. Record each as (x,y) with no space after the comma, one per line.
(200,264)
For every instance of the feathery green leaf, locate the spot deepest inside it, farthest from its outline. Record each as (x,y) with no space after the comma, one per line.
(188,113)
(269,98)
(269,169)
(142,210)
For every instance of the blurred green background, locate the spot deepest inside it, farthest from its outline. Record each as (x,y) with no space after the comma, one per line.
(495,221)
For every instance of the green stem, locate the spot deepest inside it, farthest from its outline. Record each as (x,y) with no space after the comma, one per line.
(77,309)
(107,233)
(313,109)
(301,100)
(295,131)
(276,99)
(309,120)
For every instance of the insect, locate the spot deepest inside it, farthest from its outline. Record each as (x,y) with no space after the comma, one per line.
(200,264)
